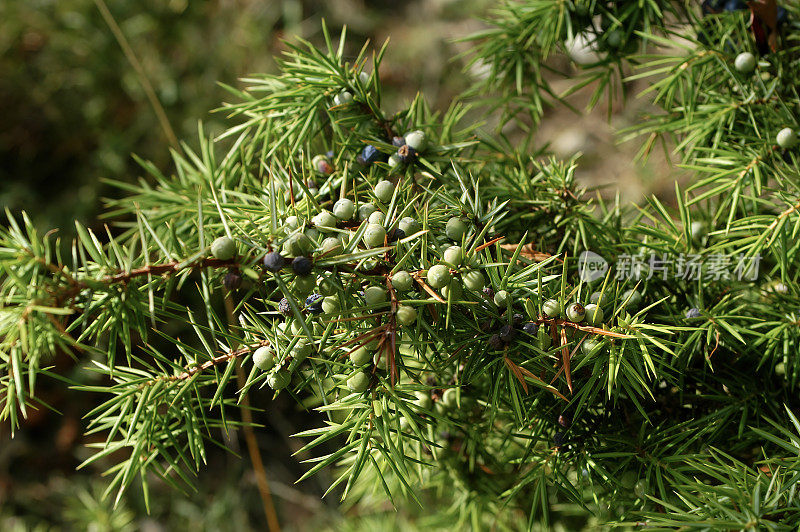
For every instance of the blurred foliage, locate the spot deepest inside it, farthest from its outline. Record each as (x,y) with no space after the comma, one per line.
(74,109)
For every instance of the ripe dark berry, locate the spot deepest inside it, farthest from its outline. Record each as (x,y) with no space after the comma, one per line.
(563,420)
(735,5)
(488,292)
(284,307)
(507,333)
(693,313)
(302,265)
(398,141)
(712,7)
(495,342)
(274,261)
(517,318)
(314,303)
(558,438)
(233,279)
(370,154)
(530,328)
(406,153)
(396,234)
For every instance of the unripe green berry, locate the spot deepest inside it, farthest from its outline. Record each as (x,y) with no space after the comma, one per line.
(450,398)
(344,209)
(384,191)
(589,345)
(409,225)
(381,361)
(697,230)
(301,350)
(292,222)
(439,276)
(361,356)
(365,210)
(576,313)
(331,305)
(330,245)
(372,345)
(402,281)
(454,255)
(326,286)
(223,248)
(406,315)
(324,221)
(598,298)
(374,295)
(416,139)
(313,234)
(594,314)
(640,488)
(264,358)
(502,298)
(377,217)
(295,327)
(394,161)
(345,237)
(374,236)
(787,138)
(745,62)
(473,280)
(358,383)
(297,245)
(279,380)
(614,39)
(344,97)
(423,400)
(304,284)
(551,308)
(455,229)
(369,264)
(631,298)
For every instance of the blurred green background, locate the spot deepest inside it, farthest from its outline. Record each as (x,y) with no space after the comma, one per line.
(73,110)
